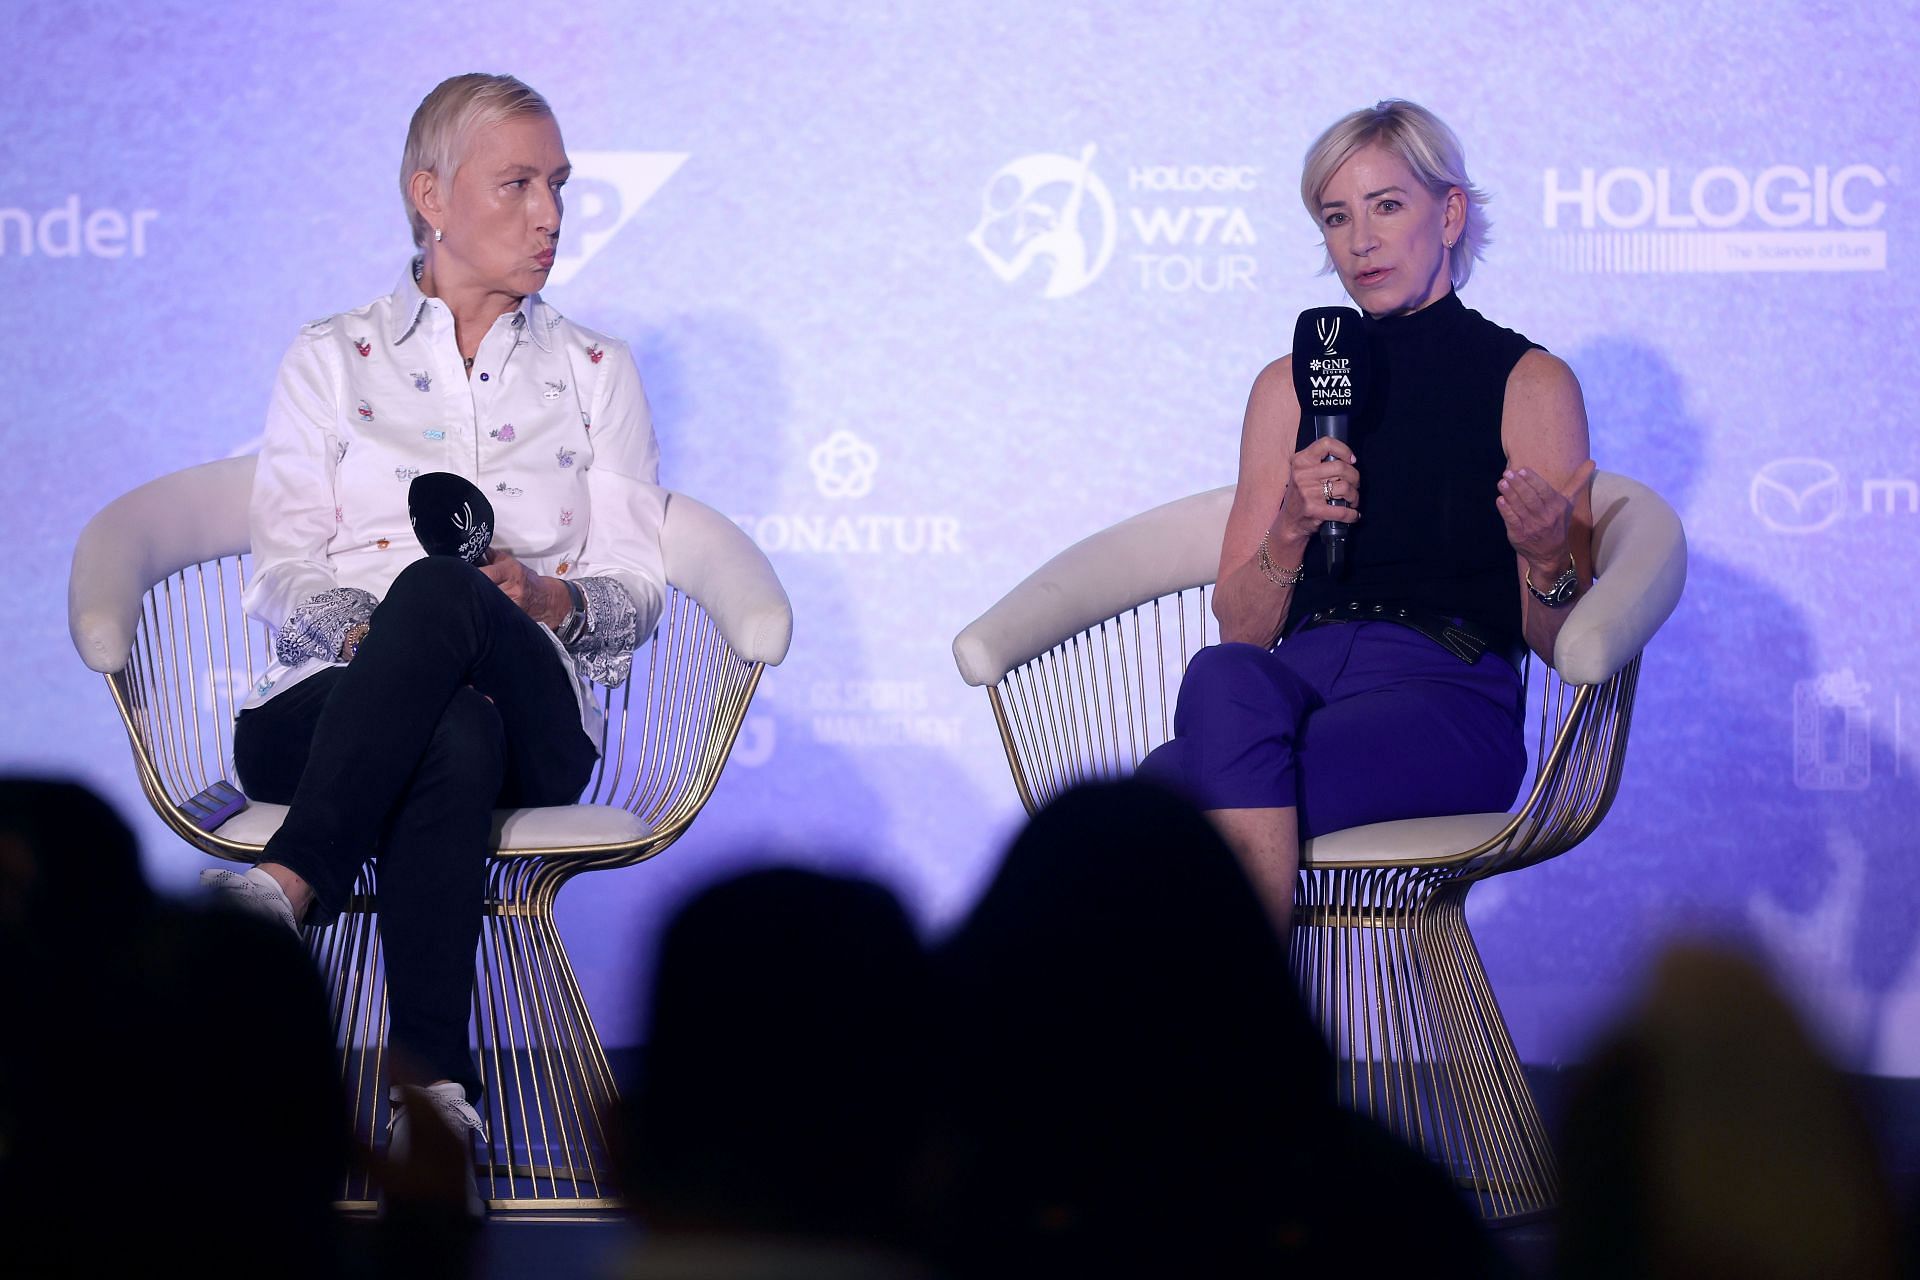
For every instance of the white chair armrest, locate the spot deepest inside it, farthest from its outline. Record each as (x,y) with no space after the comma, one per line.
(709,558)
(142,536)
(1640,563)
(1170,548)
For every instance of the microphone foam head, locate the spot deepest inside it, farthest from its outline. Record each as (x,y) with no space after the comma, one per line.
(1330,361)
(450,516)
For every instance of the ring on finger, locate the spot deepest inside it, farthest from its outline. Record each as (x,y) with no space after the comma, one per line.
(1326,489)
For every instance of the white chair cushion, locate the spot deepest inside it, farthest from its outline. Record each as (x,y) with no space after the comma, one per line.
(254,824)
(563,825)
(552,827)
(1410,839)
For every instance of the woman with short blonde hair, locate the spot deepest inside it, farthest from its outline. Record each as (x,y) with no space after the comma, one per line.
(1390,689)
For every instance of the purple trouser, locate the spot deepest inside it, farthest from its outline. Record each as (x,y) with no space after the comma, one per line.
(1352,723)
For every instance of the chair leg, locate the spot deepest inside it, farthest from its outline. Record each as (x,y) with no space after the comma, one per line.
(347,954)
(549,1085)
(1387,963)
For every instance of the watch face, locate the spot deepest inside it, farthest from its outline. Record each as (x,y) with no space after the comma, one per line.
(1560,593)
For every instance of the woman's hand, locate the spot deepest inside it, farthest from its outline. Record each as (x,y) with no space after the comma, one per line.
(544,599)
(1540,517)
(1323,470)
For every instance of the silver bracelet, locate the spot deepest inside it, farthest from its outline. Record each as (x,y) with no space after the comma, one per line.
(1291,578)
(576,620)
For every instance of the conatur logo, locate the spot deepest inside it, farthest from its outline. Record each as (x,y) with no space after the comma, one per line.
(1718,218)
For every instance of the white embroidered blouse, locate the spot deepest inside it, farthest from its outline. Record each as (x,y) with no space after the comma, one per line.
(552,426)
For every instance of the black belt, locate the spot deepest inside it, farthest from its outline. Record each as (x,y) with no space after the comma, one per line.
(1457,636)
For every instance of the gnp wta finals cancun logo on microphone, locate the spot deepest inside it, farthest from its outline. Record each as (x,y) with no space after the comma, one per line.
(1329,374)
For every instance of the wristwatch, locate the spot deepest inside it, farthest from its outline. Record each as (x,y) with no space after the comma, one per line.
(576,620)
(1560,594)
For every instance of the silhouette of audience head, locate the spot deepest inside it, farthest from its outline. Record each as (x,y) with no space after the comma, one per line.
(43,891)
(1130,1068)
(1709,1137)
(785,1087)
(170,1094)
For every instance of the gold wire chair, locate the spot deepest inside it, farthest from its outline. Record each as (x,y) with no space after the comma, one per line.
(154,605)
(1082,663)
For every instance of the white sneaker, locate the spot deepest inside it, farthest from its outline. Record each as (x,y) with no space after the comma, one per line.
(252,890)
(449,1101)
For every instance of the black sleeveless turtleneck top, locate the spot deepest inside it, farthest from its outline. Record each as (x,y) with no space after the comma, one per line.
(1430,456)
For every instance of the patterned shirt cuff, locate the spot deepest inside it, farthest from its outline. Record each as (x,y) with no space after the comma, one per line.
(604,648)
(318,626)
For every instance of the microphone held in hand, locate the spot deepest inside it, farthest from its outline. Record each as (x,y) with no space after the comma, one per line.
(450,516)
(1331,368)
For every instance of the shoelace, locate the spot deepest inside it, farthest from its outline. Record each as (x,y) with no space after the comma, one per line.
(457,1112)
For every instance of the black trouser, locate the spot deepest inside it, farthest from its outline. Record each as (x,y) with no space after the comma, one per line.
(455,703)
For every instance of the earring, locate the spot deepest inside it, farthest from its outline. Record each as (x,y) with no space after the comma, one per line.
(437,237)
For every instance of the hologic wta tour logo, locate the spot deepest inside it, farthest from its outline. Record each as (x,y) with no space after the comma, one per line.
(1051,210)
(1718,218)
(1051,218)
(605,192)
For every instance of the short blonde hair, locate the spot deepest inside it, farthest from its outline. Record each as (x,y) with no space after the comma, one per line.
(1423,141)
(447,118)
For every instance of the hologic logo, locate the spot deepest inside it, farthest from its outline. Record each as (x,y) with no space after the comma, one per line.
(603,195)
(1036,210)
(1721,218)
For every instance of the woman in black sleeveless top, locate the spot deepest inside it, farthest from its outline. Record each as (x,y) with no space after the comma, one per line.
(1394,689)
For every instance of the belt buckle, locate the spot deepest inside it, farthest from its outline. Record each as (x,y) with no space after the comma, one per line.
(1463,645)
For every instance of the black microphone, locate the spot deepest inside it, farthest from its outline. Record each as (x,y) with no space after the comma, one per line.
(450,516)
(1330,372)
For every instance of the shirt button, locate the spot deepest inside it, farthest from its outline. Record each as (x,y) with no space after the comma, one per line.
(483,377)
(564,566)
(383,544)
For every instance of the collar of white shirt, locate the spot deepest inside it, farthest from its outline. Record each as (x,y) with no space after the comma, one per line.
(408,302)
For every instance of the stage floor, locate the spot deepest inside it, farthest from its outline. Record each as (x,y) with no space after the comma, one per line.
(516,1245)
